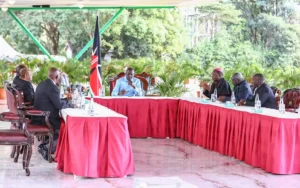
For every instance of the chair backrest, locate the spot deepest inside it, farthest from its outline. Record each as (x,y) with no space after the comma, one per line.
(6,83)
(144,83)
(11,100)
(291,98)
(113,81)
(277,93)
(19,97)
(149,77)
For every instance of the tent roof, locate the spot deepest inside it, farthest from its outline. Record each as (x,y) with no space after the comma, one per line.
(101,3)
(6,49)
(10,54)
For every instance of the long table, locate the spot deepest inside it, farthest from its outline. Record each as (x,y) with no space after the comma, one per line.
(147,117)
(269,140)
(94,146)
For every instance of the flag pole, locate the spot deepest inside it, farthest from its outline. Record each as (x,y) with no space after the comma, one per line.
(95,67)
(102,88)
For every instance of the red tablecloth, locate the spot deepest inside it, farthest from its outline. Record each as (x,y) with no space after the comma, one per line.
(147,117)
(262,141)
(95,147)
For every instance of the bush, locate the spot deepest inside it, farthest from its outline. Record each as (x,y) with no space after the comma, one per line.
(172,73)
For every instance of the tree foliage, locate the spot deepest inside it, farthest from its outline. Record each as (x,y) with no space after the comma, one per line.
(135,33)
(154,33)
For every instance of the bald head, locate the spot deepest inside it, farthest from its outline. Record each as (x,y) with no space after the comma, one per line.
(18,69)
(53,74)
(237,78)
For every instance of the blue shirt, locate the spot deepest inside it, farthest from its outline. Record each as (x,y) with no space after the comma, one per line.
(242,91)
(122,84)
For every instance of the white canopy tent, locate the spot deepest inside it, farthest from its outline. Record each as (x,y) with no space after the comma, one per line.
(8,53)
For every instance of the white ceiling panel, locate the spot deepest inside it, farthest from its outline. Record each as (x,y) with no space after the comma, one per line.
(100,3)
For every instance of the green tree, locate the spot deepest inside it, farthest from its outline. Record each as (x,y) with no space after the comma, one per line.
(135,33)
(280,40)
(156,33)
(55,27)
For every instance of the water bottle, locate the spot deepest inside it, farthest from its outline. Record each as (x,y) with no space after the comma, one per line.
(89,93)
(103,91)
(233,101)
(258,105)
(91,107)
(256,97)
(82,102)
(62,92)
(86,106)
(256,102)
(281,106)
(201,94)
(75,98)
(214,96)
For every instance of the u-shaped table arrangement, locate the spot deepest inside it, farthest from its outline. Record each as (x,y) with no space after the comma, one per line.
(268,140)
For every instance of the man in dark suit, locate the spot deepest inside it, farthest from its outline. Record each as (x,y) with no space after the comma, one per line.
(47,98)
(219,83)
(17,79)
(242,90)
(265,93)
(24,84)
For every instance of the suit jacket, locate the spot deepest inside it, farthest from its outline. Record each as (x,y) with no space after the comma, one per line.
(222,86)
(266,97)
(17,81)
(242,91)
(27,89)
(47,98)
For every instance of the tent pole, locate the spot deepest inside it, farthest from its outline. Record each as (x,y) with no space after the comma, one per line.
(90,43)
(41,47)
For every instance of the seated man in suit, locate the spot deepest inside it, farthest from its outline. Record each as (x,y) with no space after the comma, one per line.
(128,85)
(17,79)
(242,90)
(24,84)
(47,98)
(265,93)
(219,83)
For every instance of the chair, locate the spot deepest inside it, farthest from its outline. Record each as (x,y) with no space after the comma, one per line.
(113,81)
(144,83)
(19,96)
(11,102)
(6,83)
(291,98)
(150,79)
(151,83)
(16,102)
(20,137)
